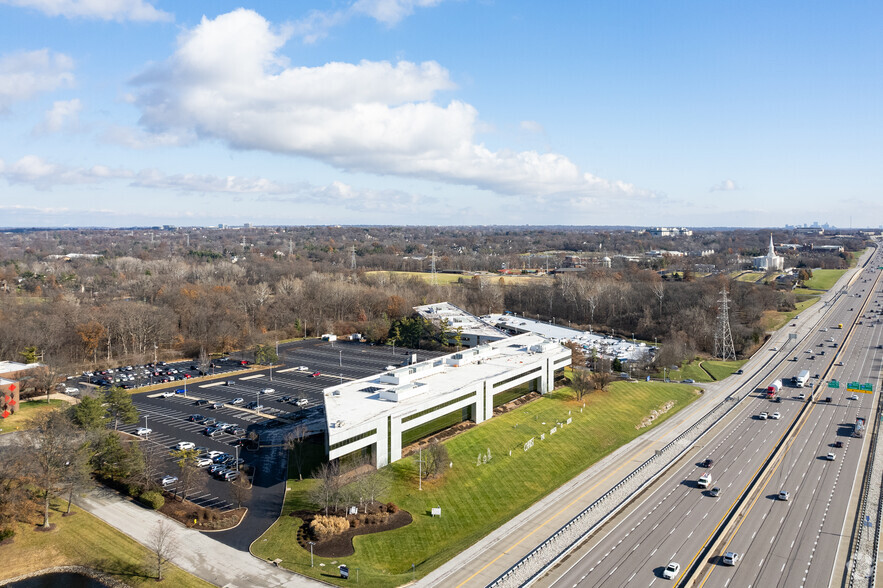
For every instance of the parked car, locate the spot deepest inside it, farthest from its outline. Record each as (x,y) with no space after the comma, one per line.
(267,390)
(221,457)
(688,381)
(203,462)
(168,480)
(302,368)
(182,445)
(212,431)
(285,399)
(143,431)
(230,383)
(315,374)
(167,394)
(302,402)
(237,401)
(201,402)
(229,475)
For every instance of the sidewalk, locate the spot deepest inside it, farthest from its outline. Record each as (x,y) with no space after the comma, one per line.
(197,553)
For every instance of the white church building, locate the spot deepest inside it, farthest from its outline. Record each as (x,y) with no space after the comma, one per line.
(769,262)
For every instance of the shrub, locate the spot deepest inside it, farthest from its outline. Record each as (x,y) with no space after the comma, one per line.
(6,533)
(152,499)
(355,523)
(392,508)
(324,527)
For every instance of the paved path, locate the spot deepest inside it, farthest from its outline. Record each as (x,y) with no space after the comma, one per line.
(197,553)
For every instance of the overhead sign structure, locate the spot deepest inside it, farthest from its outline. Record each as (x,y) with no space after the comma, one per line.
(833,384)
(859,387)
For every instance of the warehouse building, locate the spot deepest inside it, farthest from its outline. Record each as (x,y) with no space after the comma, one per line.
(376,417)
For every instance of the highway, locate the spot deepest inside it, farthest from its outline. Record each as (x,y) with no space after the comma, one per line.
(781,543)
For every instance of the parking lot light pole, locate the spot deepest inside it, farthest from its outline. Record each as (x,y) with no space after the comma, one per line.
(311,553)
(340,358)
(237,458)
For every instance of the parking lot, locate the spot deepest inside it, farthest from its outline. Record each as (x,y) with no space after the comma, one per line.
(285,396)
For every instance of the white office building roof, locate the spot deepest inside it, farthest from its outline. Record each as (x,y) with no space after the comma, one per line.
(470,325)
(604,346)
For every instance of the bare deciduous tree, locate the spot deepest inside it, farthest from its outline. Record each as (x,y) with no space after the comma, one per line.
(240,490)
(327,492)
(582,382)
(163,545)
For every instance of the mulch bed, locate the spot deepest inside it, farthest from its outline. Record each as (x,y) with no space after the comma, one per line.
(199,518)
(342,545)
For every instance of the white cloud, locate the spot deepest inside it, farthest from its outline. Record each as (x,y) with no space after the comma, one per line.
(138,139)
(532,126)
(27,73)
(117,10)
(227,81)
(44,175)
(725,186)
(317,23)
(64,115)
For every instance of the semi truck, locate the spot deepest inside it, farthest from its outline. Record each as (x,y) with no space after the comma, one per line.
(801,378)
(859,427)
(774,388)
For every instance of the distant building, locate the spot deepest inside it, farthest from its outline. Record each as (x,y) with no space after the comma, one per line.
(11,375)
(828,248)
(769,262)
(670,232)
(472,331)
(606,261)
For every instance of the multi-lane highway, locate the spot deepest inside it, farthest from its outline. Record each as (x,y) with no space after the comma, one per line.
(793,542)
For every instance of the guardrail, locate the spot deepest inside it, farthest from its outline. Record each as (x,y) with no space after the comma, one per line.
(733,399)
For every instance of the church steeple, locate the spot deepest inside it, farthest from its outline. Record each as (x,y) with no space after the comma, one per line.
(772,252)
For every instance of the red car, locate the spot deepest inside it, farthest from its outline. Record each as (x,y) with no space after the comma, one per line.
(314,374)
(243,362)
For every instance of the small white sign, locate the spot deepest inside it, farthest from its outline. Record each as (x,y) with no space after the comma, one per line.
(570,420)
(436,512)
(553,431)
(529,444)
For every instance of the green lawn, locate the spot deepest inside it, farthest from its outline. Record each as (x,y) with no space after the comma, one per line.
(26,411)
(750,277)
(478,497)
(87,541)
(722,369)
(823,279)
(447,279)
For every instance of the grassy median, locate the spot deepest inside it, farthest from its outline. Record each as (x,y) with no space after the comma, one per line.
(477,497)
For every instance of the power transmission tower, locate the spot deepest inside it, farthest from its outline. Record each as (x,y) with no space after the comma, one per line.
(723,337)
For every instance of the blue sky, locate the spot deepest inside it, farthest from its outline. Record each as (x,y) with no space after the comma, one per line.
(144,112)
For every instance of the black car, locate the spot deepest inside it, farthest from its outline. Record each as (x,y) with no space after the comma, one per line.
(285,399)
(196,418)
(708,463)
(838,444)
(201,402)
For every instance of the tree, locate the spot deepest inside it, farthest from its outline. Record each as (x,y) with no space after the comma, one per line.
(92,334)
(601,379)
(52,442)
(90,414)
(163,545)
(189,473)
(120,407)
(204,362)
(577,356)
(435,459)
(295,443)
(30,354)
(582,382)
(240,490)
(616,366)
(265,355)
(77,474)
(327,491)
(116,460)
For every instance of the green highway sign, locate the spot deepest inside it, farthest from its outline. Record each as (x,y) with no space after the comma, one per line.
(833,384)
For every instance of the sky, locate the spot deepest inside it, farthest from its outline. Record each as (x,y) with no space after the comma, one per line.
(440,112)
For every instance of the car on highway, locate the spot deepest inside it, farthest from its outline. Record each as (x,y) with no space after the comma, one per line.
(839,363)
(183,445)
(853,397)
(704,481)
(730,558)
(763,416)
(830,457)
(739,372)
(801,396)
(715,492)
(708,462)
(671,570)
(784,495)
(237,401)
(168,480)
(775,416)
(143,431)
(838,444)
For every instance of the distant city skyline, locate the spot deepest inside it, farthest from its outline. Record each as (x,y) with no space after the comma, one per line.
(439,112)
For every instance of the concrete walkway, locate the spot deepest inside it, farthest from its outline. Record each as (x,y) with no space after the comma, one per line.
(197,553)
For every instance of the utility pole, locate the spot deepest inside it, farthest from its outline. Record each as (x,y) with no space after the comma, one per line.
(420,474)
(353,258)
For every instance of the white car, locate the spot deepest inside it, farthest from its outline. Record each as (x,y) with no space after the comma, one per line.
(731,558)
(801,397)
(167,394)
(775,416)
(784,495)
(763,416)
(213,453)
(168,480)
(302,368)
(143,431)
(203,462)
(182,445)
(237,401)
(671,570)
(302,402)
(268,390)
(830,457)
(853,397)
(390,367)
